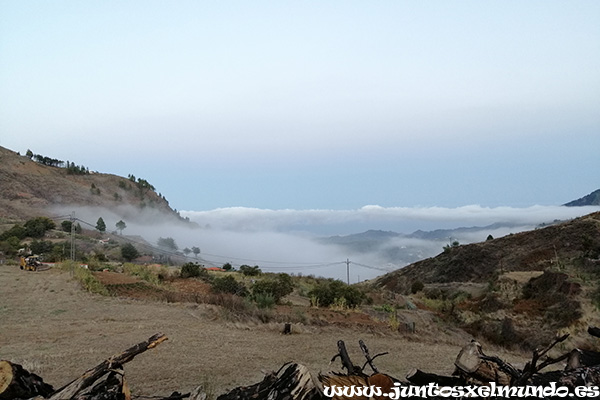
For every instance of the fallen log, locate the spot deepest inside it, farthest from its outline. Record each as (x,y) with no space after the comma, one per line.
(473,365)
(78,386)
(295,382)
(17,382)
(585,376)
(110,387)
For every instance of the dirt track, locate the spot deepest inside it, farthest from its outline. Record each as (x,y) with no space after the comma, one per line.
(53,328)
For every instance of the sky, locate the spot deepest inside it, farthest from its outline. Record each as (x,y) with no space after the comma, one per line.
(313,107)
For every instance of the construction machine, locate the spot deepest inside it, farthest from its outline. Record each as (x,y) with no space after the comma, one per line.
(30,263)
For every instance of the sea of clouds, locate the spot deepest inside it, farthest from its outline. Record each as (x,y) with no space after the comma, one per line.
(290,240)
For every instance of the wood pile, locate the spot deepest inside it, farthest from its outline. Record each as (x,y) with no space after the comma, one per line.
(293,381)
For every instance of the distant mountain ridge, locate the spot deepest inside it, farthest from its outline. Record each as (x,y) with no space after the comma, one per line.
(401,249)
(592,199)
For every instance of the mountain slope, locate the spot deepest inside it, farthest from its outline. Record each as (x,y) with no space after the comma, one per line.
(592,199)
(522,288)
(478,262)
(31,189)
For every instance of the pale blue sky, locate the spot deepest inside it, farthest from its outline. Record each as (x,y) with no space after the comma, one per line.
(312,104)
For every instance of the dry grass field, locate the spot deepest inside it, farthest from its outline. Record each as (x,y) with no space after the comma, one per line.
(55,329)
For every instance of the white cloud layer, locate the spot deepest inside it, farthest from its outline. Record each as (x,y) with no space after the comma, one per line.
(399,219)
(288,240)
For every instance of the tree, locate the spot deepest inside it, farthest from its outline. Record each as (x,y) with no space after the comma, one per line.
(186,251)
(40,247)
(66,225)
(29,154)
(100,225)
(37,227)
(121,226)
(250,271)
(196,251)
(227,267)
(167,243)
(17,231)
(129,252)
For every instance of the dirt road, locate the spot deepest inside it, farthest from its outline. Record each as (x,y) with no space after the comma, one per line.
(53,328)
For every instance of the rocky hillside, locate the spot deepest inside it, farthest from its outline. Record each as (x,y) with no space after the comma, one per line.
(526,251)
(592,199)
(521,288)
(31,189)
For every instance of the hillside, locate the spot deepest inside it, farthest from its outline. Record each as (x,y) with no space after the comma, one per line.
(592,199)
(31,189)
(526,251)
(519,288)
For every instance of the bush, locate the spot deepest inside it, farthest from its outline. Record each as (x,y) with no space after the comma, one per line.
(142,272)
(193,270)
(276,288)
(250,271)
(329,292)
(227,267)
(416,287)
(85,277)
(264,300)
(228,284)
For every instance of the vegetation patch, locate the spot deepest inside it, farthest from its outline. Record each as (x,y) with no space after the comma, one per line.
(85,277)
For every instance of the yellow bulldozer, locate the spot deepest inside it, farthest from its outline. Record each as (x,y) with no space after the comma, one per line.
(30,263)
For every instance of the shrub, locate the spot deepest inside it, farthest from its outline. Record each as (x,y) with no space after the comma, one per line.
(193,270)
(276,288)
(416,287)
(85,277)
(141,271)
(228,284)
(227,267)
(264,300)
(325,294)
(250,271)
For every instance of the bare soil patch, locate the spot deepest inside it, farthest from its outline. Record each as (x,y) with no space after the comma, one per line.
(58,331)
(115,278)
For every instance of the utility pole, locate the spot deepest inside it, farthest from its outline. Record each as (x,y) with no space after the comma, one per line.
(72,218)
(348,270)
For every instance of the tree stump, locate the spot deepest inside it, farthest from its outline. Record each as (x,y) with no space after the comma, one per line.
(17,382)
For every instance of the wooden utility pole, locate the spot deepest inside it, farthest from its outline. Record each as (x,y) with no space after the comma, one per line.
(72,236)
(348,270)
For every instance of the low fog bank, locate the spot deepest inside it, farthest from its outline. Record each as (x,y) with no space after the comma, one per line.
(398,219)
(294,241)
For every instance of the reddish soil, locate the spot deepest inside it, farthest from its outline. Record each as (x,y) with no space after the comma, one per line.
(115,278)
